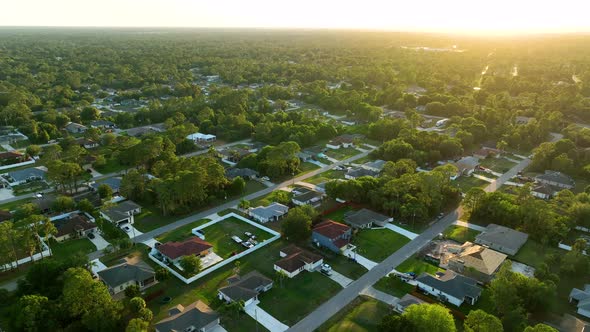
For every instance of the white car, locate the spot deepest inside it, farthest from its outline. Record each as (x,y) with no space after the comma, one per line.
(265,178)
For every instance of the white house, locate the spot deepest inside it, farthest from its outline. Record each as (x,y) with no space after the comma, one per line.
(199,137)
(273,212)
(296,260)
(450,287)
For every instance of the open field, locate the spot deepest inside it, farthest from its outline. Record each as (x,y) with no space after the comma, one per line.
(363,314)
(499,165)
(464,183)
(66,249)
(326,176)
(394,286)
(460,234)
(342,153)
(181,233)
(418,266)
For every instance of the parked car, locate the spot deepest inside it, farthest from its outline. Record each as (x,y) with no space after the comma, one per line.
(248,234)
(326,269)
(265,178)
(91,235)
(127,229)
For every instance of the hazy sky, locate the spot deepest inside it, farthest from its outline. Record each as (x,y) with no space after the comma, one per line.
(429,15)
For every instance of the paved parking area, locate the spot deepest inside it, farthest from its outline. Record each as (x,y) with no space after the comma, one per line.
(96,266)
(133,232)
(340,279)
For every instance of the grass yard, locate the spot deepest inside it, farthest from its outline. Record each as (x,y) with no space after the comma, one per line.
(181,233)
(464,183)
(279,196)
(150,218)
(29,187)
(499,165)
(378,244)
(533,253)
(219,235)
(15,204)
(297,297)
(580,186)
(66,249)
(338,215)
(484,303)
(418,266)
(111,165)
(306,168)
(363,314)
(394,286)
(253,186)
(326,176)
(342,153)
(460,234)
(340,263)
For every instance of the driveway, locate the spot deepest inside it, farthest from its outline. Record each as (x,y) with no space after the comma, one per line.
(99,241)
(469,225)
(380,296)
(133,232)
(315,162)
(150,242)
(96,266)
(401,231)
(264,318)
(6,193)
(367,263)
(342,280)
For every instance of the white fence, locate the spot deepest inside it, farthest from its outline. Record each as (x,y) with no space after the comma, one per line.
(46,252)
(223,263)
(569,248)
(28,162)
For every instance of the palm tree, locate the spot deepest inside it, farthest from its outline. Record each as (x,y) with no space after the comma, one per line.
(281,275)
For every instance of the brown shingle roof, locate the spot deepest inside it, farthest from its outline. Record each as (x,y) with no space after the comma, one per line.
(331,229)
(296,259)
(191,246)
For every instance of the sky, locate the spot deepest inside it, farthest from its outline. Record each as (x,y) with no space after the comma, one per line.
(460,16)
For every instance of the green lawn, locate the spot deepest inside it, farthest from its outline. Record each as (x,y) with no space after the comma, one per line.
(15,204)
(66,249)
(460,234)
(112,165)
(394,286)
(326,176)
(181,233)
(499,165)
(533,253)
(361,315)
(150,218)
(464,183)
(272,197)
(306,168)
(342,153)
(297,297)
(484,303)
(29,187)
(340,263)
(219,235)
(253,186)
(338,215)
(417,266)
(378,244)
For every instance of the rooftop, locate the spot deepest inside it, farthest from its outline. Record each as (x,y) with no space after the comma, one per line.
(190,246)
(483,259)
(25,174)
(360,171)
(296,258)
(242,172)
(244,288)
(558,177)
(72,224)
(452,284)
(331,229)
(122,273)
(502,236)
(273,210)
(363,217)
(197,315)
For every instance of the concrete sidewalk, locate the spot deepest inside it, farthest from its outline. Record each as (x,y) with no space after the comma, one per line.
(342,280)
(264,318)
(469,225)
(99,241)
(401,231)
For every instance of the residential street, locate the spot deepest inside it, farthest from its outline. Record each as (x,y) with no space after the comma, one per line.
(345,296)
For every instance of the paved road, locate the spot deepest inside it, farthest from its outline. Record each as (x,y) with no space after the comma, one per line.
(200,215)
(345,296)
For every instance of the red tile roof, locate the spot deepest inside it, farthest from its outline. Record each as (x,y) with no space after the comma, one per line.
(191,246)
(340,243)
(331,229)
(10,155)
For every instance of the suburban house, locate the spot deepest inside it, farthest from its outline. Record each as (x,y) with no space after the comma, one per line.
(523,120)
(302,196)
(86,143)
(233,155)
(502,239)
(75,128)
(357,172)
(244,173)
(376,165)
(296,260)
(121,213)
(246,288)
(332,235)
(117,278)
(22,176)
(264,214)
(466,165)
(365,218)
(474,260)
(102,124)
(556,179)
(406,301)
(146,130)
(200,138)
(11,157)
(303,156)
(581,297)
(342,141)
(73,226)
(316,151)
(542,191)
(174,251)
(450,287)
(114,183)
(195,317)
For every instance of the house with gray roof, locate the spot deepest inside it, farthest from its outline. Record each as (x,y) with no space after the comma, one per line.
(15,178)
(581,297)
(102,124)
(117,278)
(450,287)
(121,213)
(302,196)
(355,173)
(467,165)
(245,288)
(114,183)
(273,212)
(75,128)
(502,239)
(197,316)
(556,179)
(375,165)
(244,173)
(365,218)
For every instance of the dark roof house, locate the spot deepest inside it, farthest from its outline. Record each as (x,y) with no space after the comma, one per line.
(245,288)
(450,287)
(365,218)
(502,239)
(195,317)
